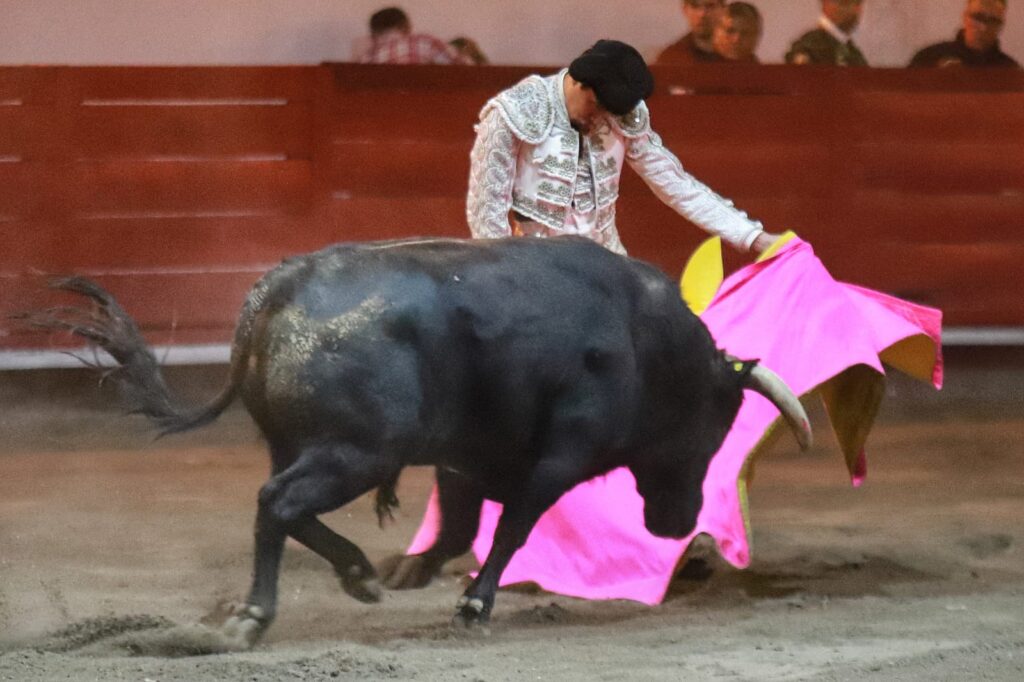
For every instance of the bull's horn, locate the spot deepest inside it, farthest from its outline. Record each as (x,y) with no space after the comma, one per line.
(771,386)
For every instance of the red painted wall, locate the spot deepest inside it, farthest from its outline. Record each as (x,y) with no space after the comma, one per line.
(177,186)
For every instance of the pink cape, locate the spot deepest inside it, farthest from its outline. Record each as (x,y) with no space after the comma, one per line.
(816,333)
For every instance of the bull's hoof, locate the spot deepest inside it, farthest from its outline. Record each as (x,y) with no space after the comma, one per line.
(244,626)
(359,585)
(471,614)
(411,572)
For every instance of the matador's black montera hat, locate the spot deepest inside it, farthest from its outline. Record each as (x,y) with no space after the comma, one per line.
(617,74)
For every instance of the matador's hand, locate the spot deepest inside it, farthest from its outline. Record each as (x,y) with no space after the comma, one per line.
(763,242)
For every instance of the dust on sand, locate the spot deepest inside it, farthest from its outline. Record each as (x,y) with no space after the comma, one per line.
(116,551)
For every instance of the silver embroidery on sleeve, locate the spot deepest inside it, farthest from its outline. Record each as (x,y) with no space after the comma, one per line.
(491,174)
(635,123)
(689,197)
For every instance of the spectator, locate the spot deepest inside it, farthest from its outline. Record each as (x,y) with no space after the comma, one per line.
(696,46)
(976,44)
(831,43)
(469,49)
(393,42)
(738,33)
(549,153)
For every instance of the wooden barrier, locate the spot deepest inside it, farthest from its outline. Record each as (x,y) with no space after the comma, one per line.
(176,187)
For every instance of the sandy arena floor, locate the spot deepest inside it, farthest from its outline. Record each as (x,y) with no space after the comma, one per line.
(113,548)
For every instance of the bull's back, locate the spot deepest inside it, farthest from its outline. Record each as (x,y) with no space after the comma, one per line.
(455,341)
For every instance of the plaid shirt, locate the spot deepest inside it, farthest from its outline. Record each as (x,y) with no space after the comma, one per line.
(395,47)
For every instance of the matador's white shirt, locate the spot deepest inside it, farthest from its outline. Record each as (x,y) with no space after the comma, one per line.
(528,158)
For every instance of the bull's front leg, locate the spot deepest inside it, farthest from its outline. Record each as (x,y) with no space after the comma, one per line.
(549,481)
(460,501)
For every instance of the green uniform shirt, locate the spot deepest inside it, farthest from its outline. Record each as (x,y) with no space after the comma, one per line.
(821,47)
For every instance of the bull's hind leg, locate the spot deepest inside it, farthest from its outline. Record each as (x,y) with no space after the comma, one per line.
(321,479)
(460,502)
(357,575)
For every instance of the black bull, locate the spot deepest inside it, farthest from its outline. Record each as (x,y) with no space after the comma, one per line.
(518,368)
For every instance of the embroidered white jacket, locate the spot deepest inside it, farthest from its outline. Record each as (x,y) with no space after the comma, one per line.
(528,158)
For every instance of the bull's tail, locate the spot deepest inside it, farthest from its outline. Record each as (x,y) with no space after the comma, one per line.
(106,325)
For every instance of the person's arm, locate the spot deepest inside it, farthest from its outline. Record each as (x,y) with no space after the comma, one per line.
(695,201)
(492,169)
(443,53)
(763,241)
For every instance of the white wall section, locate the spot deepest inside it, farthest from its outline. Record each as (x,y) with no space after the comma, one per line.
(179,32)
